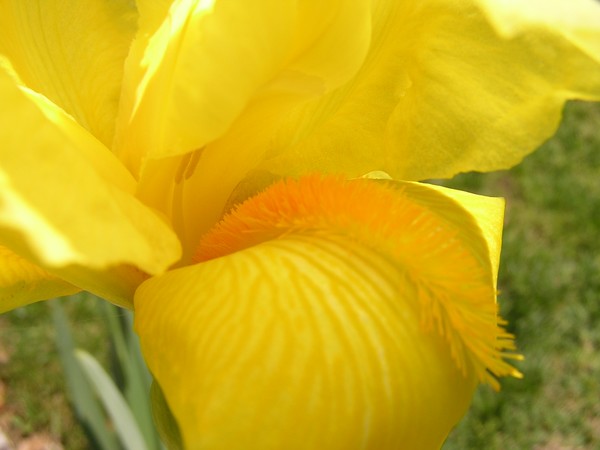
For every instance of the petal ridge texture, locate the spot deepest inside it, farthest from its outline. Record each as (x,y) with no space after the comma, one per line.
(73,53)
(431,236)
(307,324)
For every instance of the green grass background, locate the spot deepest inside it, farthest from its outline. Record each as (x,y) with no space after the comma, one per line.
(550,294)
(550,283)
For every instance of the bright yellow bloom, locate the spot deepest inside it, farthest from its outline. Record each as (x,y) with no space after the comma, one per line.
(146,153)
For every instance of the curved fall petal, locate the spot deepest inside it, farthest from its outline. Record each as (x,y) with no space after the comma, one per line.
(66,201)
(22,283)
(291,331)
(73,53)
(203,64)
(308,351)
(427,230)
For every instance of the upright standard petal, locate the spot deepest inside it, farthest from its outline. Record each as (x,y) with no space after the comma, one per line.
(443,92)
(66,201)
(440,91)
(282,54)
(72,52)
(22,283)
(326,314)
(203,65)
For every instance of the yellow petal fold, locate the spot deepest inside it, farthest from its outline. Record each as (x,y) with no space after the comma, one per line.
(487,212)
(443,92)
(291,331)
(22,283)
(73,53)
(202,66)
(66,201)
(575,20)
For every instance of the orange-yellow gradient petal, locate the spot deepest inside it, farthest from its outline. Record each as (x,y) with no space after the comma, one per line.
(72,52)
(65,200)
(487,212)
(326,314)
(22,283)
(425,229)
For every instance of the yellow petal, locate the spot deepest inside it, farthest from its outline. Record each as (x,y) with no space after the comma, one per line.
(22,283)
(488,213)
(575,20)
(202,66)
(63,199)
(73,53)
(327,314)
(413,223)
(296,344)
(441,92)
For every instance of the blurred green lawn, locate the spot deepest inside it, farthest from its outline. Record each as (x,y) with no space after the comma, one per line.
(550,294)
(550,284)
(35,401)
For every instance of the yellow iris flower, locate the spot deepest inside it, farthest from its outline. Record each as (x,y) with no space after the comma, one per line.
(208,163)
